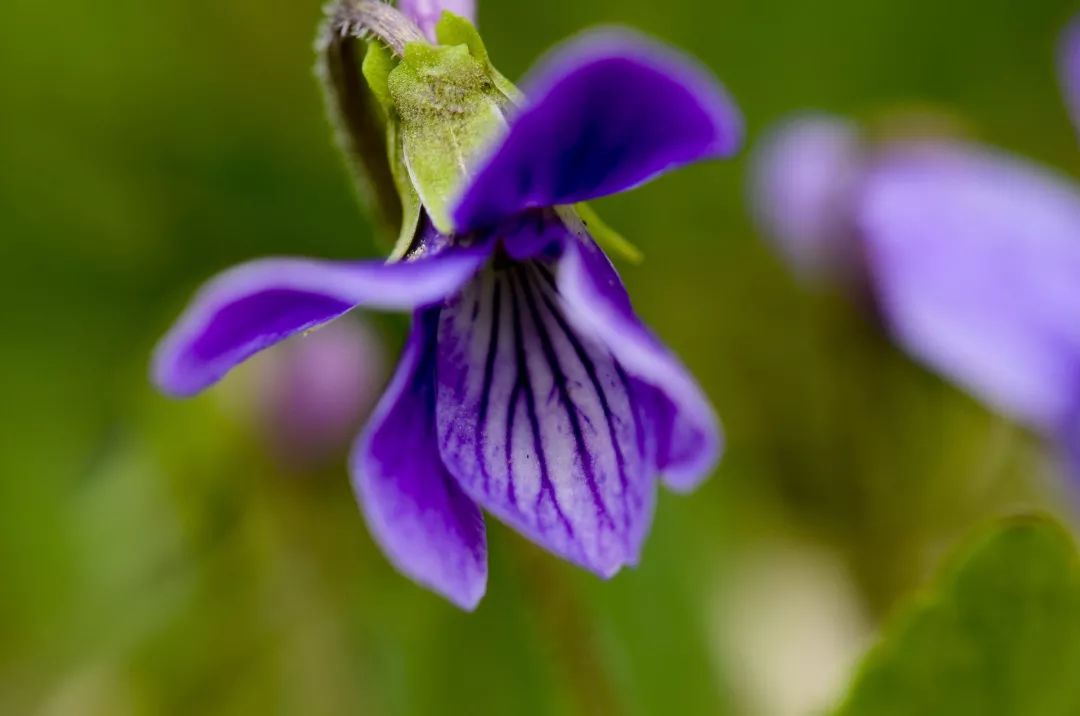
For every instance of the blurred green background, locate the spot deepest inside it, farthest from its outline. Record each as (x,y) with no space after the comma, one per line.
(155,558)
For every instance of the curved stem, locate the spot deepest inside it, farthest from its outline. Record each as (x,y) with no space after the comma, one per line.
(358,122)
(373,18)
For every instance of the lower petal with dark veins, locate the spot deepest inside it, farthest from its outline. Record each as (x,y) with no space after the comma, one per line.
(541,425)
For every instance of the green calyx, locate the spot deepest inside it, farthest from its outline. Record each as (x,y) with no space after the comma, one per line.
(456,30)
(448,111)
(444,105)
(378,64)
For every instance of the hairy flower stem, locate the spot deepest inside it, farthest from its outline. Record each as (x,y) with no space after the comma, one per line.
(368,19)
(358,123)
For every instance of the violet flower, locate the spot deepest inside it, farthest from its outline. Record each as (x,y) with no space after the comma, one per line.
(800,192)
(308,398)
(973,256)
(528,387)
(1069,68)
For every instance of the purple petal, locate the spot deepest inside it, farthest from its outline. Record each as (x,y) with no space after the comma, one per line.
(415,510)
(532,234)
(1069,69)
(255,305)
(804,176)
(426,13)
(688,435)
(606,112)
(539,423)
(976,259)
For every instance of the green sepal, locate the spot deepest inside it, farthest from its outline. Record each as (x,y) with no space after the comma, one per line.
(445,103)
(608,238)
(410,200)
(377,65)
(998,634)
(455,30)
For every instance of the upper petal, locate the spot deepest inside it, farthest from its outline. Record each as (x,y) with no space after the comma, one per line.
(606,112)
(415,510)
(540,424)
(689,440)
(976,261)
(426,13)
(1069,69)
(257,304)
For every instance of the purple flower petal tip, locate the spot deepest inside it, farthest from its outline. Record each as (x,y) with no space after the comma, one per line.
(1069,68)
(805,174)
(606,111)
(256,305)
(975,257)
(238,314)
(623,56)
(689,438)
(426,13)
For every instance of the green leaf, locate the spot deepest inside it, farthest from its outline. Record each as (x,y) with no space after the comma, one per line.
(456,30)
(445,102)
(1000,634)
(608,238)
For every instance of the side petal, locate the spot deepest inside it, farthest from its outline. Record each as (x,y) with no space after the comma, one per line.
(538,424)
(976,262)
(415,510)
(257,304)
(606,112)
(1069,69)
(688,435)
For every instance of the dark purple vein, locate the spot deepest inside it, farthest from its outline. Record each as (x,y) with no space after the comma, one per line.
(568,405)
(485,392)
(530,409)
(594,378)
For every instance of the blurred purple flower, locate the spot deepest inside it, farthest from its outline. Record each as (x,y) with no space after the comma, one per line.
(803,179)
(973,256)
(528,387)
(426,13)
(976,259)
(1069,68)
(313,392)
